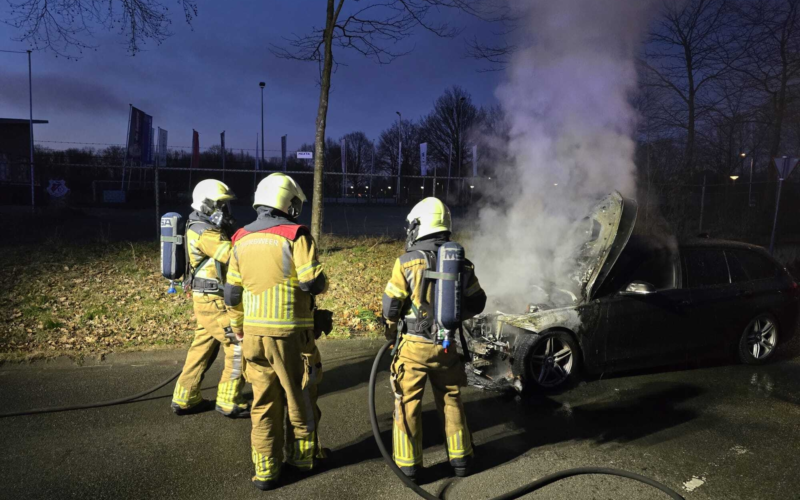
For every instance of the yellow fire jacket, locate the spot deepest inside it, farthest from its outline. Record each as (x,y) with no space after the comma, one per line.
(272,277)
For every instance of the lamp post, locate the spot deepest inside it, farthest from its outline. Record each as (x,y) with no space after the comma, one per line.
(30,101)
(262,85)
(399,151)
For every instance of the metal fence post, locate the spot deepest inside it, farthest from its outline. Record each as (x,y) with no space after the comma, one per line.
(702,203)
(158,209)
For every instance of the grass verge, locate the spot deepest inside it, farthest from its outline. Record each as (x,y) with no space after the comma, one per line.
(62,298)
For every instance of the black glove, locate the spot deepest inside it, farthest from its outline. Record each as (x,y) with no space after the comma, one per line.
(389,330)
(231,335)
(323,322)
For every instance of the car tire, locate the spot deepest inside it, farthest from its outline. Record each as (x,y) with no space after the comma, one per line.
(550,362)
(759,340)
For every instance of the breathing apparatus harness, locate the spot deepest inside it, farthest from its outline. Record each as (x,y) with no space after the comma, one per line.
(444,262)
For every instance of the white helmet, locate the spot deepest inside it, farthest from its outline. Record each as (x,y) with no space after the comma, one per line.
(429,216)
(210,195)
(280,192)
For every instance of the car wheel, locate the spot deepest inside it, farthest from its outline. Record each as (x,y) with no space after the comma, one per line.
(759,340)
(552,362)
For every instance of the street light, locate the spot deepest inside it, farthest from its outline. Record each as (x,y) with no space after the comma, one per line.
(734,177)
(262,85)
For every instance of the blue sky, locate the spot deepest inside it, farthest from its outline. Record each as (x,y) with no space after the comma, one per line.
(206,77)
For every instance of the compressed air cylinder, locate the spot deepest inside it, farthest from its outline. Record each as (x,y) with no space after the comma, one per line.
(173,254)
(447,292)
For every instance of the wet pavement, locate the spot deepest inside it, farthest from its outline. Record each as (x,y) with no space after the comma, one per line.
(711,432)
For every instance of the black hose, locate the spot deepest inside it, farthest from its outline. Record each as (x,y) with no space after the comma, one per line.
(93,405)
(524,490)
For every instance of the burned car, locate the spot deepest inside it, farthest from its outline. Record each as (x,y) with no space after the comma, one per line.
(640,303)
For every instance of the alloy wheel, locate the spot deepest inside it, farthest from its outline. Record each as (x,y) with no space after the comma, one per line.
(551,362)
(762,336)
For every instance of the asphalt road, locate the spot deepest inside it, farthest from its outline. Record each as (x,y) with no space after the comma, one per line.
(715,432)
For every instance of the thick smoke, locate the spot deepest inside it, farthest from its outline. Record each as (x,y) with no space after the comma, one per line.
(567,100)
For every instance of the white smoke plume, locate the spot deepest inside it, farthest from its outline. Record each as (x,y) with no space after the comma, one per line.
(567,100)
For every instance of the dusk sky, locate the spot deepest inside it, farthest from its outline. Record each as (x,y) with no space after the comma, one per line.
(206,77)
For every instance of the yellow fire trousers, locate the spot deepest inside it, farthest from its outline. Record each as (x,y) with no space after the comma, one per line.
(416,362)
(212,318)
(284,372)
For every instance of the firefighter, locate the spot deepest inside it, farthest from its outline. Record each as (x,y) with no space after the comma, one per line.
(208,233)
(420,356)
(273,278)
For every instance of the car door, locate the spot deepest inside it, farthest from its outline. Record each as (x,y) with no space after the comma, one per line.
(759,289)
(647,330)
(713,299)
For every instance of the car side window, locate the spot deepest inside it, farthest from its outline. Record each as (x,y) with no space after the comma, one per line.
(738,273)
(705,267)
(658,270)
(757,267)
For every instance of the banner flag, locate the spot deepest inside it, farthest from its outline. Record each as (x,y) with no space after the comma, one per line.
(195,149)
(423,158)
(139,135)
(474,161)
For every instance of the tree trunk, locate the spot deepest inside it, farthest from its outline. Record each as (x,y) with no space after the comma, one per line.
(322,116)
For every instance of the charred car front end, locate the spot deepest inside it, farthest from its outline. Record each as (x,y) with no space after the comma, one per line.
(543,344)
(631,301)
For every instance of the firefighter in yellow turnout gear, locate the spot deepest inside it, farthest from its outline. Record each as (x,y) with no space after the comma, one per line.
(209,247)
(272,280)
(419,357)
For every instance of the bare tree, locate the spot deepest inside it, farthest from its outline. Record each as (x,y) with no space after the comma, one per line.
(387,154)
(373,29)
(768,56)
(684,58)
(446,128)
(359,159)
(62,26)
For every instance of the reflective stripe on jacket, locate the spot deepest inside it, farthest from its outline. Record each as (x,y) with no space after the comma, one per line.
(275,269)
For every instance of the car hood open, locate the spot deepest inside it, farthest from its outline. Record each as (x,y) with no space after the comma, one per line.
(607,229)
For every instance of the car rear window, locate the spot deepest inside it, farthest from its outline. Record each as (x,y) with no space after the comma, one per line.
(705,267)
(755,266)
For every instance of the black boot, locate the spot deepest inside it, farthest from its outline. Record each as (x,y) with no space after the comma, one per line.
(267,485)
(409,472)
(462,466)
(191,410)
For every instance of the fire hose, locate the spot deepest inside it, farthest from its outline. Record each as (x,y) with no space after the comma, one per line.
(523,490)
(101,404)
